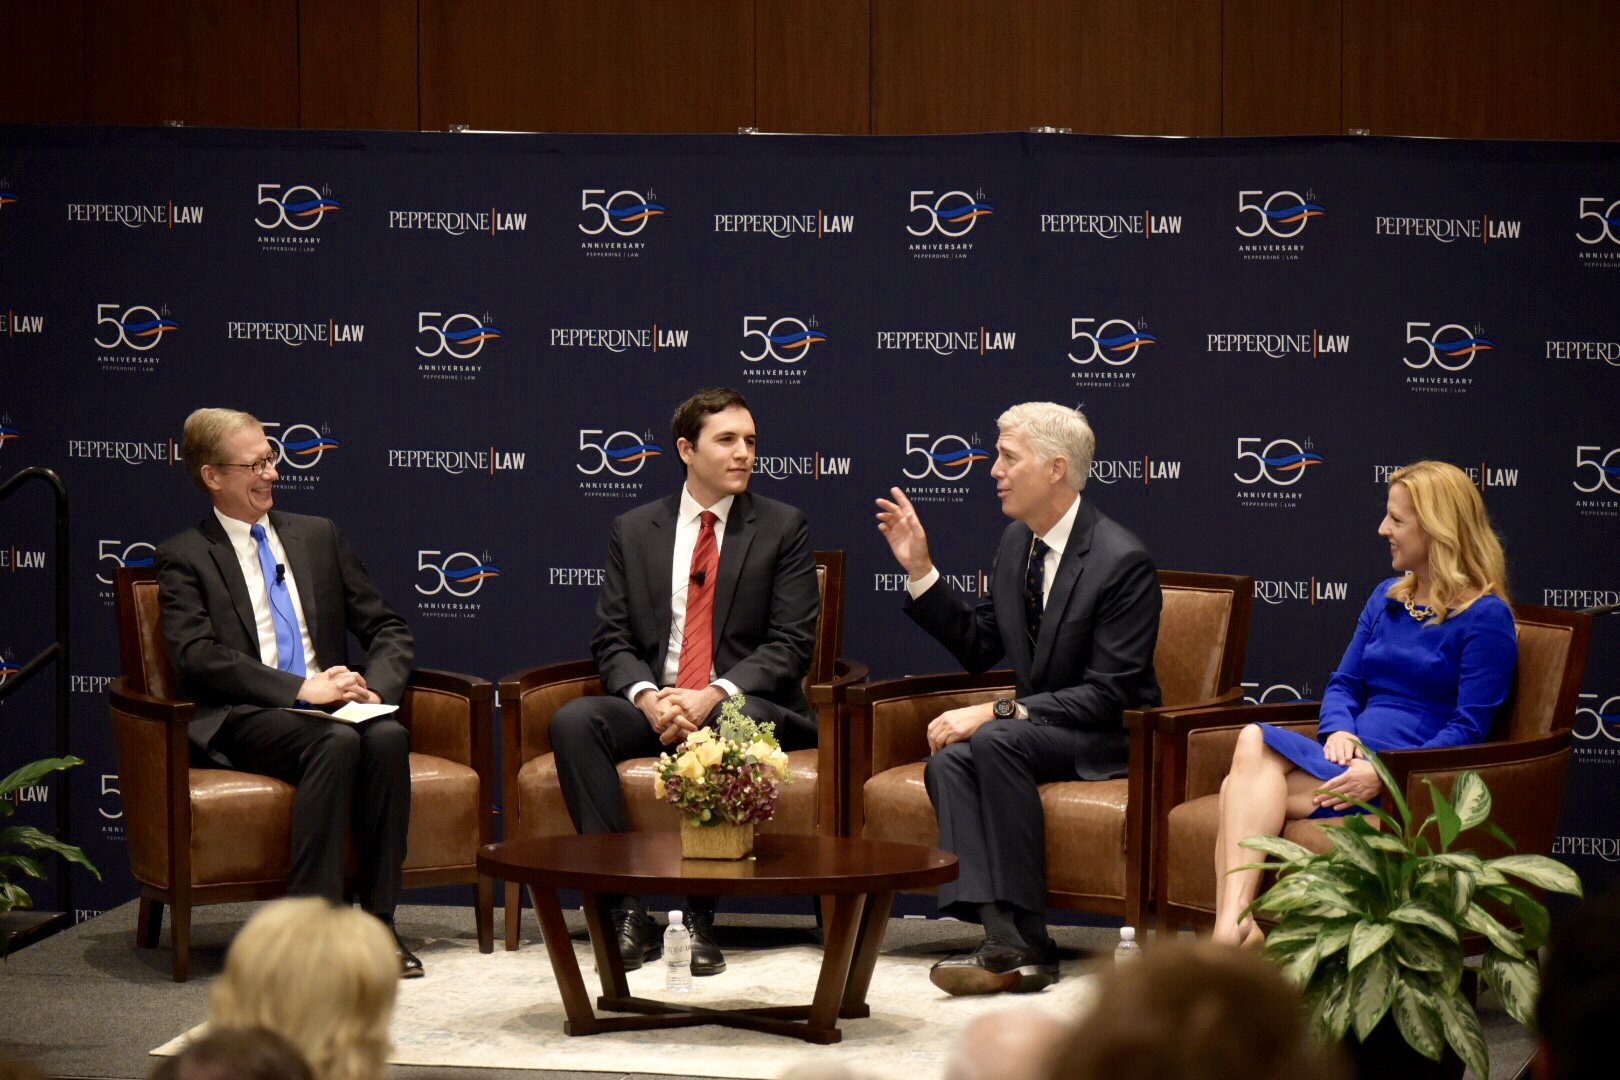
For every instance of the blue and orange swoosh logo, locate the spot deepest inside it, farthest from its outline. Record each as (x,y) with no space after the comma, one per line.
(149,328)
(966,213)
(7,198)
(1123,342)
(1292,462)
(967,455)
(1291,214)
(801,339)
(637,212)
(8,433)
(640,451)
(1463,346)
(473,334)
(310,207)
(306,447)
(472,573)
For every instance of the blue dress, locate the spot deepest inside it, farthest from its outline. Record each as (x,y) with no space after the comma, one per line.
(1406,685)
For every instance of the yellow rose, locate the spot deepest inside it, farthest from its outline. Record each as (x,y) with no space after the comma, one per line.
(709,753)
(760,751)
(699,737)
(658,787)
(779,761)
(689,766)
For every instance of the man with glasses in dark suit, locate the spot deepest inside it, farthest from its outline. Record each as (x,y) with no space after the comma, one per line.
(257,605)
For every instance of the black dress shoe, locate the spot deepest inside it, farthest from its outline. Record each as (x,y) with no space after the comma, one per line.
(997,966)
(1042,969)
(638,937)
(707,959)
(409,966)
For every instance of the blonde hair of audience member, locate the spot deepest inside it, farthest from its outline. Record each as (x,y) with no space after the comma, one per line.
(1011,1044)
(230,1053)
(1196,1010)
(322,977)
(1465,557)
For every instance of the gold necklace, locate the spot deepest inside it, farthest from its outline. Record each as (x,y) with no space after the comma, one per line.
(1418,611)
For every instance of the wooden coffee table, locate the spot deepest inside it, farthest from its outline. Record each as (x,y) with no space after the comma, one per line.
(857,880)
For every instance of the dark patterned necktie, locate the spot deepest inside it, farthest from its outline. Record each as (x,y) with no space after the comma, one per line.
(1034,580)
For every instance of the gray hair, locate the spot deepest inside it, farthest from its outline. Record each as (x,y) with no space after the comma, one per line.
(205,432)
(1054,431)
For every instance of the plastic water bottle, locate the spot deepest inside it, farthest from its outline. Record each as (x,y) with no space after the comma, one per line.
(677,955)
(1128,951)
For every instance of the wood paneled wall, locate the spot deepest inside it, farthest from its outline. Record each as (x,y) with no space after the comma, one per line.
(1453,68)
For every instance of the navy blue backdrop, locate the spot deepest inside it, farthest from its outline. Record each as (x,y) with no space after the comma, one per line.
(468,348)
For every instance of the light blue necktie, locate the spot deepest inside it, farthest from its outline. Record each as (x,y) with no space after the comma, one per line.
(289,643)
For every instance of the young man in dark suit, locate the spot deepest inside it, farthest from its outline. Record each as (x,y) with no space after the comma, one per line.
(257,605)
(707,592)
(1074,608)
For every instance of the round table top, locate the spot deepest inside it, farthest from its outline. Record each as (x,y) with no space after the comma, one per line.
(780,865)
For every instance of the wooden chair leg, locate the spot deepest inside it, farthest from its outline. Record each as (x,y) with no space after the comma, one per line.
(180,940)
(148,923)
(484,914)
(514,910)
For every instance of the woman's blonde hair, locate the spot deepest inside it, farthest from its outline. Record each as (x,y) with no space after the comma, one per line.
(322,977)
(1465,557)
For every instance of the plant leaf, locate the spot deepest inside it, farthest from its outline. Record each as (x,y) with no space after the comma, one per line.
(1335,935)
(1415,948)
(1330,1004)
(1466,861)
(1492,829)
(1296,934)
(1463,1032)
(1462,893)
(1471,799)
(1516,982)
(1445,815)
(27,836)
(35,771)
(1415,1016)
(27,865)
(1279,848)
(1481,921)
(1533,918)
(1540,871)
(1366,939)
(1372,991)
(1354,848)
(1297,964)
(1394,792)
(1419,914)
(1382,841)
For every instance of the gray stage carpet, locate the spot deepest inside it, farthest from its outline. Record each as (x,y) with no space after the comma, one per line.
(88,1003)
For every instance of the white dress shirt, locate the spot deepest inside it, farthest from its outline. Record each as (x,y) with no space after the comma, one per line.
(688,523)
(247,554)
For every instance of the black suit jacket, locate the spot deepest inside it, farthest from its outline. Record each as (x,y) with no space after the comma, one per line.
(1094,657)
(210,633)
(765,600)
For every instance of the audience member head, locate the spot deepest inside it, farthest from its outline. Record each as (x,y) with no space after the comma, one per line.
(1580,993)
(204,437)
(1463,555)
(1011,1044)
(322,977)
(1054,431)
(229,1053)
(1197,1010)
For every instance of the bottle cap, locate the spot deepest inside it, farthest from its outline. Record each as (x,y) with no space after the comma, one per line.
(675,917)
(1127,933)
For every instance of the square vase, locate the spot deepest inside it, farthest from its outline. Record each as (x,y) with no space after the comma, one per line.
(722,841)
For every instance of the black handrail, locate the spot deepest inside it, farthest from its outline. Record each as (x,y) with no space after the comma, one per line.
(56,652)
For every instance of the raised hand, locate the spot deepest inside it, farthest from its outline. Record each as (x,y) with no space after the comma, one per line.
(898,522)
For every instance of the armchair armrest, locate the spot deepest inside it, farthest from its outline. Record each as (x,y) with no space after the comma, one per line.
(451,715)
(1403,763)
(954,682)
(846,675)
(1181,722)
(526,730)
(1149,719)
(144,707)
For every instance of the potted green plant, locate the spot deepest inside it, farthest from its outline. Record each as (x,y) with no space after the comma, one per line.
(20,845)
(1375,926)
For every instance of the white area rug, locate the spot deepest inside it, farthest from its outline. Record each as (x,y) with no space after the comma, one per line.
(503,1011)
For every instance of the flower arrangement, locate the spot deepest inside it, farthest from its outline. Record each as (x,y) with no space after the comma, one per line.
(726,775)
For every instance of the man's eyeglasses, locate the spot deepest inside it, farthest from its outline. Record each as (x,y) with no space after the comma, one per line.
(260,468)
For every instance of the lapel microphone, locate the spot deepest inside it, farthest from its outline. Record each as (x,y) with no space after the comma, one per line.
(281,573)
(698,577)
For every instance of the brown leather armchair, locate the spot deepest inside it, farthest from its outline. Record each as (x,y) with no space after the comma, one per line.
(1523,763)
(1098,850)
(209,835)
(533,798)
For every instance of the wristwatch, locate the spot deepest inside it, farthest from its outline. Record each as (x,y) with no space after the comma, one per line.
(1004,708)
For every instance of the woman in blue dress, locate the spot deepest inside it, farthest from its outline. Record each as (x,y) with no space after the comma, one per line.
(1431,662)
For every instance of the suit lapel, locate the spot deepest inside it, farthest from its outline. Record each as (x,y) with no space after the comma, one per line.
(1070,566)
(739,535)
(660,568)
(230,571)
(296,545)
(1008,591)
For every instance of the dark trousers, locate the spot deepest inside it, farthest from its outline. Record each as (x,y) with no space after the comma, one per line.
(985,795)
(347,776)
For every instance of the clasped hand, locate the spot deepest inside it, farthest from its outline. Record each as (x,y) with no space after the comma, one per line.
(675,713)
(337,684)
(954,725)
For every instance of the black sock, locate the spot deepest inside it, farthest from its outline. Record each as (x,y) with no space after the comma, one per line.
(1032,927)
(997,918)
